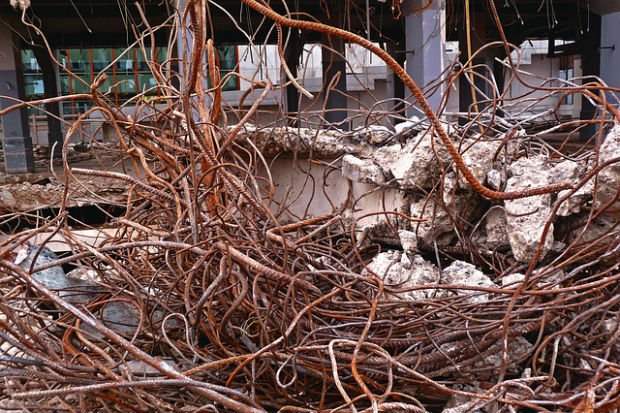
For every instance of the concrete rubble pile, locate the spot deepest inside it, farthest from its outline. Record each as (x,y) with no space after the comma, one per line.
(343,258)
(420,166)
(466,229)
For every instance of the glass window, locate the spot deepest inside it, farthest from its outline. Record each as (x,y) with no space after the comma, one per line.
(33,85)
(126,84)
(228,63)
(130,73)
(33,78)
(102,57)
(124,60)
(76,107)
(78,61)
(29,62)
(142,61)
(147,81)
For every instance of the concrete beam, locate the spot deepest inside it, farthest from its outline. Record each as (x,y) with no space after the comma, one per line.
(17,143)
(425,39)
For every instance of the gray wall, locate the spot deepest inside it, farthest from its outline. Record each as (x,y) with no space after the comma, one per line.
(610,59)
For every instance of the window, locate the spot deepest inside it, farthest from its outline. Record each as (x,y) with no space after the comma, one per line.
(128,76)
(228,63)
(34,89)
(33,78)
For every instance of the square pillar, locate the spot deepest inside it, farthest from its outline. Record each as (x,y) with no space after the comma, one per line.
(610,50)
(17,143)
(590,66)
(292,56)
(334,64)
(50,85)
(398,87)
(425,40)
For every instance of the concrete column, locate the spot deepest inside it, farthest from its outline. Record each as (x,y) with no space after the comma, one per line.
(398,87)
(425,40)
(590,66)
(484,64)
(333,65)
(17,143)
(50,84)
(610,49)
(292,56)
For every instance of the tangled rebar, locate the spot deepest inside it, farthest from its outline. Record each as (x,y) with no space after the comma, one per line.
(485,276)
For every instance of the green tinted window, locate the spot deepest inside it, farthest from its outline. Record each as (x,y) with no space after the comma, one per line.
(128,75)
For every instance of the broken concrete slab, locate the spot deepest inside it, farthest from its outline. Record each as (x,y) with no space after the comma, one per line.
(401,271)
(374,134)
(462,404)
(73,290)
(59,241)
(438,225)
(81,287)
(518,348)
(572,171)
(408,240)
(304,188)
(496,229)
(495,179)
(602,226)
(305,141)
(513,280)
(436,222)
(25,197)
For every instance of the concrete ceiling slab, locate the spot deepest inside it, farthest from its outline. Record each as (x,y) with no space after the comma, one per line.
(605,6)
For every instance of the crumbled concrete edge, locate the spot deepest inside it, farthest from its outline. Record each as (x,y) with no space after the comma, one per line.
(273,141)
(464,273)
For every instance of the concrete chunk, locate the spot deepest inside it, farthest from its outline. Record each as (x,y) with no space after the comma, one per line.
(526,217)
(399,271)
(362,170)
(464,273)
